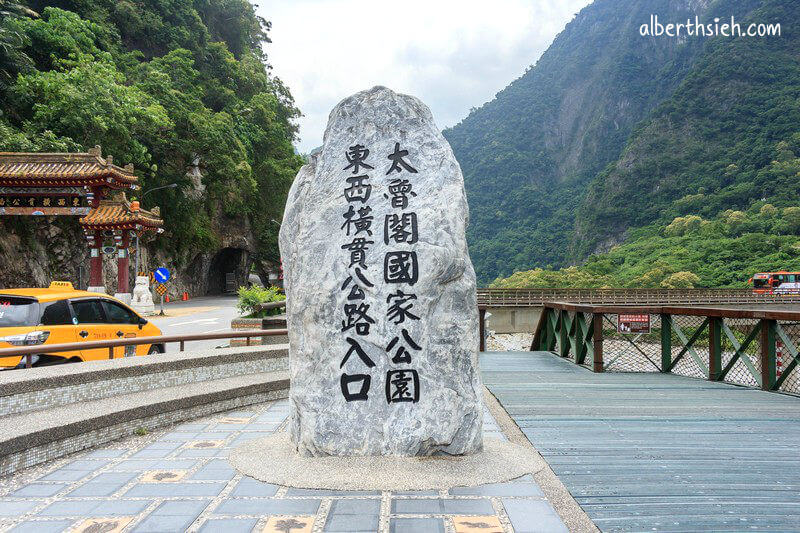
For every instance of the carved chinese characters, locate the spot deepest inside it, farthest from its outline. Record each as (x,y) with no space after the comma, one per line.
(380,291)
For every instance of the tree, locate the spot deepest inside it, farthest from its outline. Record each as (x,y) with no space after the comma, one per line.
(681,280)
(12,59)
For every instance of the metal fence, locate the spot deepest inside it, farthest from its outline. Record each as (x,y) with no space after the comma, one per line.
(161,340)
(745,347)
(537,297)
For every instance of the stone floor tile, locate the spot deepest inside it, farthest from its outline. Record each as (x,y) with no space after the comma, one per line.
(266,507)
(179,436)
(244,437)
(294,524)
(149,453)
(70,508)
(163,445)
(331,493)
(177,489)
(42,526)
(105,525)
(477,524)
(352,523)
(253,488)
(231,525)
(191,427)
(418,506)
(213,474)
(356,507)
(113,477)
(416,525)
(211,435)
(105,453)
(16,508)
(173,516)
(88,465)
(120,507)
(533,516)
(500,489)
(181,508)
(191,452)
(65,475)
(39,490)
(471,507)
(95,489)
(442,506)
(175,464)
(133,465)
(228,427)
(162,476)
(261,426)
(164,523)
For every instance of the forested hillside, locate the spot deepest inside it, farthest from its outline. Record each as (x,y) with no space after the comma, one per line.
(708,147)
(167,86)
(610,131)
(721,249)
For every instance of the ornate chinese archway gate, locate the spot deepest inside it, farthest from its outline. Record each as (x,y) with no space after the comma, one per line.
(79,184)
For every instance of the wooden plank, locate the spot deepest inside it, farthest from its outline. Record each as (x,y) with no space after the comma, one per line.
(653,450)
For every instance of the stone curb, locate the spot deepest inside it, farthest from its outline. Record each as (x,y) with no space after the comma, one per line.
(60,423)
(35,379)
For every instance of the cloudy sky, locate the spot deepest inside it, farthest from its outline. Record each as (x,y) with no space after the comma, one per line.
(453,54)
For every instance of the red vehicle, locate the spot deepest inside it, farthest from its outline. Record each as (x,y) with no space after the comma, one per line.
(776,282)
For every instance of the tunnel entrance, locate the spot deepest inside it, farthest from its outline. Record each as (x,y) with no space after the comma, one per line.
(228,271)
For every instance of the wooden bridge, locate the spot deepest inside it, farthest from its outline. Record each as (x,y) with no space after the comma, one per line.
(499,298)
(655,451)
(691,423)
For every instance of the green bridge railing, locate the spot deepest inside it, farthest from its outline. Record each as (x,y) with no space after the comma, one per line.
(744,347)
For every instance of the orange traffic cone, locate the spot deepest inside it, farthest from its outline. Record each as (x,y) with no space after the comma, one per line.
(166,298)
(185,296)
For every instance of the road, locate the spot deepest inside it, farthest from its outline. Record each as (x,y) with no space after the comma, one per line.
(199,315)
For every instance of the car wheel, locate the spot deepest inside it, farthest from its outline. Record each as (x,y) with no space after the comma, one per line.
(154,349)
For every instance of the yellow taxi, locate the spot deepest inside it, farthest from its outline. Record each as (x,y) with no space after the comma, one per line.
(61,314)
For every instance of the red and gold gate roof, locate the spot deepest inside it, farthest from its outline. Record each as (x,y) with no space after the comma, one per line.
(90,169)
(118,213)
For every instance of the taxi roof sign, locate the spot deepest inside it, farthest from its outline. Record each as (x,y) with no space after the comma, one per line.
(61,285)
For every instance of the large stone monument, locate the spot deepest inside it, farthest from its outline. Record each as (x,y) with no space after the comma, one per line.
(381,303)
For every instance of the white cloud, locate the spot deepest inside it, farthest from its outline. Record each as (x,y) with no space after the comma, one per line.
(452,54)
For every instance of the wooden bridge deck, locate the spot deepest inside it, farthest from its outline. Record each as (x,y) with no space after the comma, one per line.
(657,452)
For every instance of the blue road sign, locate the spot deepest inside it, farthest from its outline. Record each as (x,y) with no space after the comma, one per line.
(161,275)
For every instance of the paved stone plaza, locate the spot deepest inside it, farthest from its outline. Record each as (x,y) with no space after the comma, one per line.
(179,479)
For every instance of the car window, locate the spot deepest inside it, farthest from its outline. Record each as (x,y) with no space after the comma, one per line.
(117,314)
(88,311)
(55,313)
(16,311)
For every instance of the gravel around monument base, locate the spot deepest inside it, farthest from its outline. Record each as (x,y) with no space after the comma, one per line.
(274,460)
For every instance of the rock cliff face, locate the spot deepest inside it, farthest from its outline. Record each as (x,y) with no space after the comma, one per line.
(529,154)
(37,250)
(381,301)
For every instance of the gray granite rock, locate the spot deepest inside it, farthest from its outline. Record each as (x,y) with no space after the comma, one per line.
(420,332)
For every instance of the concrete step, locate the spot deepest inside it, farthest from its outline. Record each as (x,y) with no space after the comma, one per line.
(35,389)
(27,439)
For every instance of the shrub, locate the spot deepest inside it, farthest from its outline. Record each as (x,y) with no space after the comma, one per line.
(251,297)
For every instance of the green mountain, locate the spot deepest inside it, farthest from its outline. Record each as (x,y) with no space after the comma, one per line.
(551,166)
(723,250)
(708,147)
